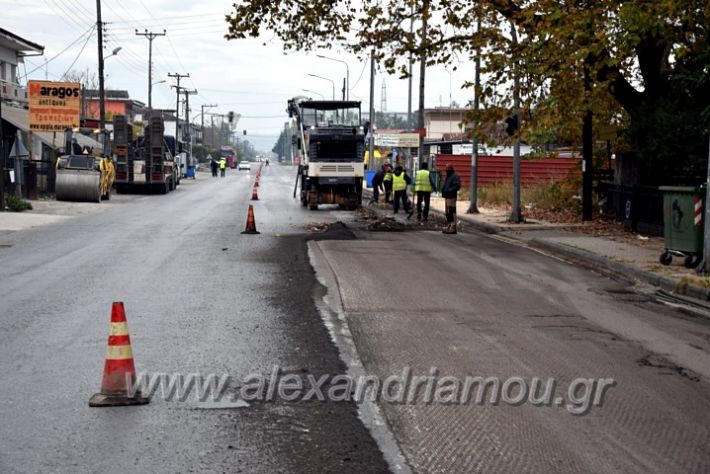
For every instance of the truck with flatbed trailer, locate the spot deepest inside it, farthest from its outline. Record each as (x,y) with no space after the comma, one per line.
(146,164)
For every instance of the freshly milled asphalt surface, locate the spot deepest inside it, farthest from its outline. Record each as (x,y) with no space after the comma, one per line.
(199,297)
(470,305)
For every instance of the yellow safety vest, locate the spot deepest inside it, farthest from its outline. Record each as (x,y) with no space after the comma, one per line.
(398,182)
(388,176)
(222,164)
(421,181)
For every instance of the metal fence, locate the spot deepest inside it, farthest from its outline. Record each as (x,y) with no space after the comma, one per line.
(640,208)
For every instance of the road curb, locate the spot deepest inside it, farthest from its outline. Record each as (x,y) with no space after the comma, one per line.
(661,281)
(649,277)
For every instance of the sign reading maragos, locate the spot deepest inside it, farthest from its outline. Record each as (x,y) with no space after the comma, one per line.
(54,106)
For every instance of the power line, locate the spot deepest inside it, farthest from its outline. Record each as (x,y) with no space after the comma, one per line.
(81,7)
(32,63)
(78,55)
(63,16)
(174,26)
(177,56)
(232,91)
(158,19)
(89,31)
(364,66)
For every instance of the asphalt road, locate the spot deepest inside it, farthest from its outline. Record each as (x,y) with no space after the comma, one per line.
(200,298)
(427,304)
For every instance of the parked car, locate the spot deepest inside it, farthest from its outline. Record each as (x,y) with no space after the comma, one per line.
(244,165)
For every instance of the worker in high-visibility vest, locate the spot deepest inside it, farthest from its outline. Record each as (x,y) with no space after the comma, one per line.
(400,181)
(222,167)
(387,183)
(423,185)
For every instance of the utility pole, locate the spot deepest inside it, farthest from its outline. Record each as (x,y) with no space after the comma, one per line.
(202,116)
(188,93)
(102,99)
(177,76)
(422,74)
(516,216)
(151,36)
(473,205)
(371,142)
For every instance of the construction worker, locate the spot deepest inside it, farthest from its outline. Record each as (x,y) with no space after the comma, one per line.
(400,181)
(423,185)
(387,182)
(213,165)
(377,180)
(449,191)
(222,166)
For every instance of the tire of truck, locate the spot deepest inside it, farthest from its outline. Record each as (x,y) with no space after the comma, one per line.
(353,202)
(313,201)
(162,188)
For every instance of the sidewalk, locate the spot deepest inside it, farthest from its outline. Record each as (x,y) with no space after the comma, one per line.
(616,250)
(50,211)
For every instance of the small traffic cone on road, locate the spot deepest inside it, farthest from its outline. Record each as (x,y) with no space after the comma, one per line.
(256,181)
(251,222)
(117,385)
(254,196)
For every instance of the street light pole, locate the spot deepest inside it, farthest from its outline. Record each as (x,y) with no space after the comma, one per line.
(516,215)
(346,96)
(371,131)
(422,74)
(473,204)
(325,79)
(313,92)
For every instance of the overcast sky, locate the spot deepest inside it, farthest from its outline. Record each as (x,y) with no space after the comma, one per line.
(240,75)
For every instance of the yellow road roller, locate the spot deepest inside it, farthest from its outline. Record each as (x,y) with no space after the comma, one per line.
(84,178)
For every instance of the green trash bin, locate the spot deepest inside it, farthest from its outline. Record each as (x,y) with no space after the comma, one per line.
(683,226)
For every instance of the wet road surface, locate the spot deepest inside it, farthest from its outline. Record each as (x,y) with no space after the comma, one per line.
(200,298)
(469,306)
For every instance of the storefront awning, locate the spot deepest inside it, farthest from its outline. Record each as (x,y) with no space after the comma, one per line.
(20,119)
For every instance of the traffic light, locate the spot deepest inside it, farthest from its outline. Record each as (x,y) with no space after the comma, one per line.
(512,124)
(245,132)
(230,117)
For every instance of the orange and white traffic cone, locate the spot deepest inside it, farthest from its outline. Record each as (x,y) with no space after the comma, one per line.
(117,385)
(256,181)
(251,222)
(254,195)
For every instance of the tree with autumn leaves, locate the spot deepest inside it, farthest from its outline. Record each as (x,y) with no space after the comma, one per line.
(640,67)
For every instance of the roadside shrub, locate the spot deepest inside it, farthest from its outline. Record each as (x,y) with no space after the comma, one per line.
(500,194)
(16,204)
(548,195)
